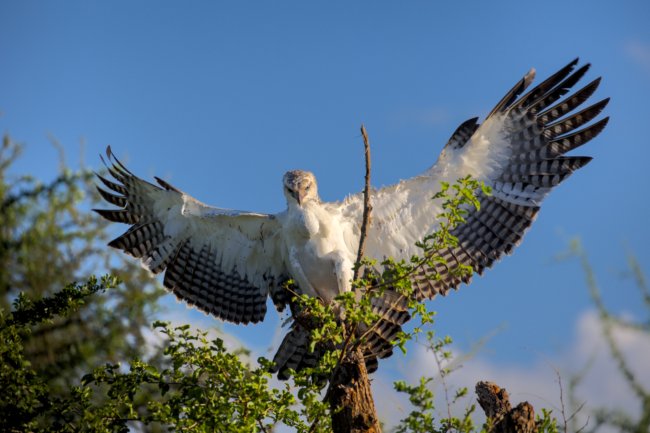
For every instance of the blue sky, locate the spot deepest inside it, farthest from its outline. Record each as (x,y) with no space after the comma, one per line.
(221,98)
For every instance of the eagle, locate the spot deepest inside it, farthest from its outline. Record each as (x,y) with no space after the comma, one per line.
(227,262)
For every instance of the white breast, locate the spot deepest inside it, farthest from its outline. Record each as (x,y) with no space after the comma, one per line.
(316,253)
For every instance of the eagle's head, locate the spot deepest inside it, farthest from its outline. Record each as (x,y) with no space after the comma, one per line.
(300,187)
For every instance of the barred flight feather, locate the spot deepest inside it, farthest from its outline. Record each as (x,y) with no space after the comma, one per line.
(167,240)
(462,133)
(537,144)
(569,104)
(294,354)
(546,85)
(392,311)
(112,198)
(578,119)
(559,91)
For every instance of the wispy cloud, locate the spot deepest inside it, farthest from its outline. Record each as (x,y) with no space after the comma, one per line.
(639,52)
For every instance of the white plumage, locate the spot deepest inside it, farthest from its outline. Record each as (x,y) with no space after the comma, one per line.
(228,262)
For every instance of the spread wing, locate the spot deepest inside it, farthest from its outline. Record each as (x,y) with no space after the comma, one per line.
(519,151)
(223,261)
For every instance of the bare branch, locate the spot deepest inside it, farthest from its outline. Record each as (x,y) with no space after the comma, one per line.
(565,420)
(348,390)
(367,207)
(443,373)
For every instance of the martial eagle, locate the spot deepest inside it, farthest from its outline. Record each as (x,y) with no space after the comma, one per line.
(227,262)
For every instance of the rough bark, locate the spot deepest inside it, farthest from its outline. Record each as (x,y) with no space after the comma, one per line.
(350,398)
(501,416)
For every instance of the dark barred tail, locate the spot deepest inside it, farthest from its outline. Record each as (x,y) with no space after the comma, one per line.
(376,339)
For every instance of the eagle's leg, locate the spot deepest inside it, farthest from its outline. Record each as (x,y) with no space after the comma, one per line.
(299,274)
(343,270)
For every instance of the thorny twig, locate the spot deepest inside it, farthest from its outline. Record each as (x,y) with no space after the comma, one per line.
(562,407)
(443,373)
(566,420)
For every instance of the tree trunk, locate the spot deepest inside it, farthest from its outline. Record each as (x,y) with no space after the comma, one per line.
(350,398)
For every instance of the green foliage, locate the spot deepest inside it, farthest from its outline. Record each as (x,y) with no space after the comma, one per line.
(206,388)
(423,417)
(52,336)
(48,238)
(546,423)
(27,401)
(63,303)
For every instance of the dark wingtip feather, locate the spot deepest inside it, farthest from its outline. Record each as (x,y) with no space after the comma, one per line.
(117,243)
(111,198)
(546,86)
(570,123)
(512,95)
(600,105)
(560,89)
(567,105)
(573,63)
(591,88)
(460,136)
(572,79)
(580,72)
(576,162)
(165,185)
(112,185)
(117,216)
(598,127)
(118,164)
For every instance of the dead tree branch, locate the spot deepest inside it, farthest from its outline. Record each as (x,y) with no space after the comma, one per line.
(367,207)
(502,418)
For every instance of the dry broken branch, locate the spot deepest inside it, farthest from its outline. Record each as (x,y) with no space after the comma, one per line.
(502,418)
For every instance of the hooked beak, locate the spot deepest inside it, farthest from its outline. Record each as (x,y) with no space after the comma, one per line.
(300,195)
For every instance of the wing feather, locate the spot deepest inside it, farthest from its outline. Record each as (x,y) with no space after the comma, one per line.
(463,133)
(223,261)
(392,310)
(560,90)
(547,84)
(576,120)
(511,96)
(519,151)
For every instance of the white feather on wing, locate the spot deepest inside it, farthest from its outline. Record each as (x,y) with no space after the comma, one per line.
(223,261)
(518,151)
